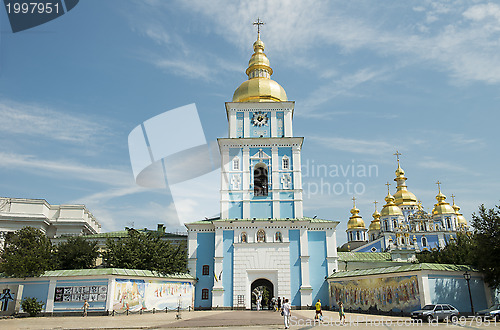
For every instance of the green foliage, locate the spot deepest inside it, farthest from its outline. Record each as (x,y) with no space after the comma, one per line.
(459,251)
(487,243)
(146,251)
(76,253)
(27,253)
(481,248)
(32,306)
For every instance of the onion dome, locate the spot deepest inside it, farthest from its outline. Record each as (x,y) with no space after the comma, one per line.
(259,87)
(390,208)
(403,196)
(375,224)
(462,222)
(442,207)
(355,220)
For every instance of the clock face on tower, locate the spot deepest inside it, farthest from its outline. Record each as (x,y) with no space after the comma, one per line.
(259,119)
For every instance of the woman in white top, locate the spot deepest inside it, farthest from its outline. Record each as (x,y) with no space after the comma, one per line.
(286,313)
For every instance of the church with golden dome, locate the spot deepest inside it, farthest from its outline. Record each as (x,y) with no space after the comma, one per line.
(402,224)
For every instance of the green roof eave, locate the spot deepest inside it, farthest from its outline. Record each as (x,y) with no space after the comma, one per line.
(312,220)
(364,256)
(114,271)
(401,269)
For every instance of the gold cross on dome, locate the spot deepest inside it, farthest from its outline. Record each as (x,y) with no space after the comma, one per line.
(439,185)
(397,154)
(453,198)
(353,201)
(388,187)
(258,22)
(375,202)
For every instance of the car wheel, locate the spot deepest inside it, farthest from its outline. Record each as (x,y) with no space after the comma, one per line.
(428,318)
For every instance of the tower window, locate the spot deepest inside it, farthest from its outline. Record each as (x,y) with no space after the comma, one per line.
(236,164)
(285,163)
(357,236)
(205,270)
(204,294)
(260,180)
(278,237)
(261,235)
(244,237)
(424,241)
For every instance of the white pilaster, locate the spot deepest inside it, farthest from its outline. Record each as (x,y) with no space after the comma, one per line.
(192,251)
(111,294)
(246,124)
(233,125)
(288,124)
(49,307)
(274,124)
(297,181)
(331,251)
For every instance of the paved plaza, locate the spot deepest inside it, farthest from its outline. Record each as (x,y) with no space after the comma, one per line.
(301,319)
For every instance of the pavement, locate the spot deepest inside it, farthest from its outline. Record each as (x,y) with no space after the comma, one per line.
(251,320)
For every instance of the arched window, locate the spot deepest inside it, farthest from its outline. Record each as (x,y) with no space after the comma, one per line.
(261,235)
(260,180)
(204,294)
(424,241)
(386,225)
(278,237)
(243,238)
(285,163)
(448,223)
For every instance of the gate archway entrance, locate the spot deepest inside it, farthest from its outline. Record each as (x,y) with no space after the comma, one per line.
(266,287)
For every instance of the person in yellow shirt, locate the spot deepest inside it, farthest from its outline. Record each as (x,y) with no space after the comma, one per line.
(319,313)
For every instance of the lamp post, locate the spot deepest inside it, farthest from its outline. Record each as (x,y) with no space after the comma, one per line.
(467,277)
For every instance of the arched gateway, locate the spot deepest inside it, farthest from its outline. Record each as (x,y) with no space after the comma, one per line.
(264,286)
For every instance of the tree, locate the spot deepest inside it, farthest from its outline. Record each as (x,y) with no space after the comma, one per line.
(486,226)
(146,251)
(27,253)
(458,251)
(32,306)
(76,253)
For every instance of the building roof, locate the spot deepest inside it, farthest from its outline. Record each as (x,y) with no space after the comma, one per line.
(113,271)
(215,220)
(364,256)
(404,268)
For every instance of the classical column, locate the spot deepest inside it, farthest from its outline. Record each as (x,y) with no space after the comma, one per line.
(305,288)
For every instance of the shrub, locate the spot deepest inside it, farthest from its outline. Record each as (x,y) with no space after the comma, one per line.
(32,306)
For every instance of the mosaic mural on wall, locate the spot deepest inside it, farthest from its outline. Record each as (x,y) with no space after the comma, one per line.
(399,293)
(81,293)
(140,294)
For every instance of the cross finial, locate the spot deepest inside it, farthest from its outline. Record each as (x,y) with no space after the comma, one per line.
(439,185)
(258,22)
(388,187)
(353,201)
(453,198)
(397,154)
(375,202)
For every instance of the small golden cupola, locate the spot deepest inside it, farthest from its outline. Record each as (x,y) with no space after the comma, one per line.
(375,224)
(402,195)
(390,208)
(462,222)
(355,220)
(442,207)
(259,87)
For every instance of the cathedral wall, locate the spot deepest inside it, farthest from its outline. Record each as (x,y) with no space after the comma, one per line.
(227,267)
(295,271)
(205,256)
(318,268)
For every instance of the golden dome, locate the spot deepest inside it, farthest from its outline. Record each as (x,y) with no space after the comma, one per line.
(390,208)
(375,224)
(460,218)
(442,207)
(259,87)
(355,221)
(403,196)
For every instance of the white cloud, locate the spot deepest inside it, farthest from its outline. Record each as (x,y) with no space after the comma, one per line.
(74,170)
(371,147)
(41,121)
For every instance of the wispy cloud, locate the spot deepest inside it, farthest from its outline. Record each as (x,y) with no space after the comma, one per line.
(359,146)
(43,122)
(31,163)
(444,165)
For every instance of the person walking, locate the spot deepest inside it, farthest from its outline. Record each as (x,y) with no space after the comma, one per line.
(85,307)
(341,313)
(279,303)
(286,310)
(319,313)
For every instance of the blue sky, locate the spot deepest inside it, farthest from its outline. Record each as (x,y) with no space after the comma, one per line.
(368,78)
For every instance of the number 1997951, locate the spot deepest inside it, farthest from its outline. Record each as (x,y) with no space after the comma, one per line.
(32,8)
(477,320)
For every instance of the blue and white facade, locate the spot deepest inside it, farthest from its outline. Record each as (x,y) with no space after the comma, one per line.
(261,234)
